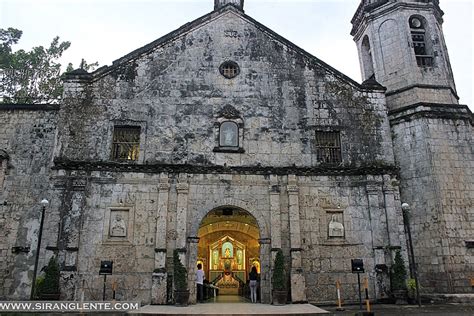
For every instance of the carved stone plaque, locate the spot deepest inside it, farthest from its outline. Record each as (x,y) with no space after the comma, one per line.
(118,223)
(335,225)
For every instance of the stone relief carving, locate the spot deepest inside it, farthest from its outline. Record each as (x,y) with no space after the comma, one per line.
(118,223)
(336,226)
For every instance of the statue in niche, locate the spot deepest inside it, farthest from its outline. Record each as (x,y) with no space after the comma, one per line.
(229,132)
(227,250)
(336,228)
(239,259)
(118,227)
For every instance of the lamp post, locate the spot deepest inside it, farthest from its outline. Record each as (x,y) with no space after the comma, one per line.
(406,223)
(44,203)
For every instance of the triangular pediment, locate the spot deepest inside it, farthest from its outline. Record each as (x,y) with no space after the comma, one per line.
(226,11)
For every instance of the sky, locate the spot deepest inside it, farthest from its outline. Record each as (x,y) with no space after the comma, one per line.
(105,30)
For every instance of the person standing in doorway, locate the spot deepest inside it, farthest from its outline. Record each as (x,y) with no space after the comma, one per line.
(253,276)
(199,283)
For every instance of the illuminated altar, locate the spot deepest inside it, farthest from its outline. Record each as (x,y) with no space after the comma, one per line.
(227,258)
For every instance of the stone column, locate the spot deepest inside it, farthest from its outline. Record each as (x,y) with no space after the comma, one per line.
(297,279)
(265,266)
(192,256)
(160,275)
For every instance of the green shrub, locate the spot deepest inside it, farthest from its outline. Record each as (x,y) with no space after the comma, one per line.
(278,278)
(399,273)
(180,273)
(49,283)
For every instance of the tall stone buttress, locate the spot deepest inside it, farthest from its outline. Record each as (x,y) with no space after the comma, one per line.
(401,45)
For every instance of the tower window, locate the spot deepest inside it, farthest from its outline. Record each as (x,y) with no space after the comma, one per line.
(229,69)
(328,147)
(367,60)
(126,143)
(420,47)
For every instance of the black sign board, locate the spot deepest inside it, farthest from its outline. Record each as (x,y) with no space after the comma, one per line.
(106,267)
(357,266)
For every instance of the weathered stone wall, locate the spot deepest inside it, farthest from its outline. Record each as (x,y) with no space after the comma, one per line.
(437,156)
(175,93)
(27,137)
(370,229)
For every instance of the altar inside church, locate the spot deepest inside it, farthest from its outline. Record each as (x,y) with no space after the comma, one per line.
(228,265)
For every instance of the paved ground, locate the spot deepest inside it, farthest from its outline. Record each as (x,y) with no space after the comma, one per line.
(411,310)
(232,309)
(232,305)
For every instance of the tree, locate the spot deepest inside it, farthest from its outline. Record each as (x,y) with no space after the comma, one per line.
(279,272)
(399,273)
(30,76)
(49,283)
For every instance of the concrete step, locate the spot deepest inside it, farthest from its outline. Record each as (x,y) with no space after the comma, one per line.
(233,309)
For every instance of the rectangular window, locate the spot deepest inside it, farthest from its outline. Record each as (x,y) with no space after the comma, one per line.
(126,143)
(328,147)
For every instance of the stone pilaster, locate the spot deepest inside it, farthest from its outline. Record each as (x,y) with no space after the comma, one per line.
(275,212)
(377,216)
(182,187)
(265,268)
(192,251)
(297,279)
(392,204)
(160,276)
(380,240)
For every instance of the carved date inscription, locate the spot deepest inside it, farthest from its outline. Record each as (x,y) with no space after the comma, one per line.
(231,33)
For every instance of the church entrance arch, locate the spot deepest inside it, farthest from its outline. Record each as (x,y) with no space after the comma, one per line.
(229,246)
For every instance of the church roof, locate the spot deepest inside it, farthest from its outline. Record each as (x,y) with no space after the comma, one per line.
(208,18)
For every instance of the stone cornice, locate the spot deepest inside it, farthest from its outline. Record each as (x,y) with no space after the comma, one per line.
(430,110)
(374,169)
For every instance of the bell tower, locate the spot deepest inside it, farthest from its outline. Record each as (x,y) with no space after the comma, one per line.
(222,3)
(401,44)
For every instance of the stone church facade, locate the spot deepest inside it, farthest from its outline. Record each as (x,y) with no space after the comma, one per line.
(224,115)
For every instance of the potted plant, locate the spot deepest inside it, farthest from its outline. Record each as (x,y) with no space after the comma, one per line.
(278,280)
(399,276)
(47,286)
(181,292)
(411,286)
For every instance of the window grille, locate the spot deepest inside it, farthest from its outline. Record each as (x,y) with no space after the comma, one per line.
(229,69)
(328,147)
(126,143)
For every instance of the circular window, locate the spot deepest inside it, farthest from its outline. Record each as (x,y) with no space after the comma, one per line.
(229,69)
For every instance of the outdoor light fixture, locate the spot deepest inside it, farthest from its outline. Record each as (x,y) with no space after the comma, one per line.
(43,203)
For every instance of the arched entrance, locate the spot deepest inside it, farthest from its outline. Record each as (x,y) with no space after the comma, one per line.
(228,248)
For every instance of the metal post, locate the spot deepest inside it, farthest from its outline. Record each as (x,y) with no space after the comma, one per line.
(38,248)
(406,221)
(103,292)
(360,295)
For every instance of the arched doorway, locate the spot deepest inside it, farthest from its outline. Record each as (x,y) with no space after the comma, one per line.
(228,248)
